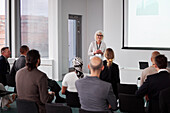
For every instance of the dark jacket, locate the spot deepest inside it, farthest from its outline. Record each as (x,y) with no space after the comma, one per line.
(152,87)
(111,75)
(4,70)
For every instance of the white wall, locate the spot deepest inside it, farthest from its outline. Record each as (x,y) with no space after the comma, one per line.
(94,23)
(77,7)
(92,20)
(113,37)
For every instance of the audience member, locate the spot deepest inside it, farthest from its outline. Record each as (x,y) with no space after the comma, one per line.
(20,63)
(31,83)
(155,83)
(4,65)
(68,84)
(111,71)
(95,94)
(150,70)
(4,71)
(97,47)
(7,99)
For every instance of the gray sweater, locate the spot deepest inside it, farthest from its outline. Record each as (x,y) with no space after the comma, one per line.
(95,94)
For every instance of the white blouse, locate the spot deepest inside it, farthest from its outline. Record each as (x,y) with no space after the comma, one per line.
(93,47)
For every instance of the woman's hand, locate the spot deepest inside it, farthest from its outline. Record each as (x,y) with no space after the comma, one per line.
(98,52)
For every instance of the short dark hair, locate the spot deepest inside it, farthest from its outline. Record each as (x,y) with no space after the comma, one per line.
(23,49)
(3,49)
(161,61)
(32,59)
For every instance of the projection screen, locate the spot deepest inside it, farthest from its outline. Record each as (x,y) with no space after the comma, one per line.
(146,24)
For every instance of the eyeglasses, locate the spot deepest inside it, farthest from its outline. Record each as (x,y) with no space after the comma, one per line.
(99,35)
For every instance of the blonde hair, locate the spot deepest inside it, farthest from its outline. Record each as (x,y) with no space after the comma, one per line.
(97,32)
(109,54)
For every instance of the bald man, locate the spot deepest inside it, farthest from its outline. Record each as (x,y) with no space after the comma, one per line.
(95,94)
(150,70)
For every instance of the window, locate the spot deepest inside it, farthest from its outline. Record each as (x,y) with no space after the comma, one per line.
(34,25)
(2,23)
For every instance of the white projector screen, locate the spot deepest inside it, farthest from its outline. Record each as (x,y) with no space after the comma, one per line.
(146,24)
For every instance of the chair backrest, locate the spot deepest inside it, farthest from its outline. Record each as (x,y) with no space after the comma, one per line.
(57,108)
(85,111)
(72,99)
(131,103)
(164,101)
(25,106)
(127,88)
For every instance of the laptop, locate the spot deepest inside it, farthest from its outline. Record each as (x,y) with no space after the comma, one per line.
(143,65)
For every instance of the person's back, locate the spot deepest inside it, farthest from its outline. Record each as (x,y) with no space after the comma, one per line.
(155,83)
(20,62)
(28,84)
(31,83)
(93,93)
(110,73)
(150,70)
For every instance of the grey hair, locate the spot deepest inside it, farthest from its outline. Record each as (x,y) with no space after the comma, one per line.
(98,31)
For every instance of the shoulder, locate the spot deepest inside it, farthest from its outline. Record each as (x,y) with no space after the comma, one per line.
(93,42)
(152,76)
(103,43)
(70,75)
(2,58)
(114,64)
(105,62)
(149,71)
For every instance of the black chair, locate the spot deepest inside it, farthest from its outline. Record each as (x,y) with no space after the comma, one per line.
(72,99)
(131,104)
(25,106)
(127,88)
(57,108)
(85,111)
(164,101)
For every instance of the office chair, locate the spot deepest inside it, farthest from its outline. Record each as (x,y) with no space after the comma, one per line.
(85,111)
(127,88)
(25,106)
(130,103)
(164,101)
(72,99)
(57,108)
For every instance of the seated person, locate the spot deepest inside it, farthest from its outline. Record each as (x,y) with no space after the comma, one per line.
(20,63)
(68,84)
(149,70)
(155,83)
(7,99)
(95,94)
(32,84)
(111,71)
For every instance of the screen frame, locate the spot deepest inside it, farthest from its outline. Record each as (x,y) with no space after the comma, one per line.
(123,36)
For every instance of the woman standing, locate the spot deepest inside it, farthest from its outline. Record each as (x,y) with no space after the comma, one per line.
(111,71)
(97,47)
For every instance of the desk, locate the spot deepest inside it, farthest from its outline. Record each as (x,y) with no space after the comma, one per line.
(130,75)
